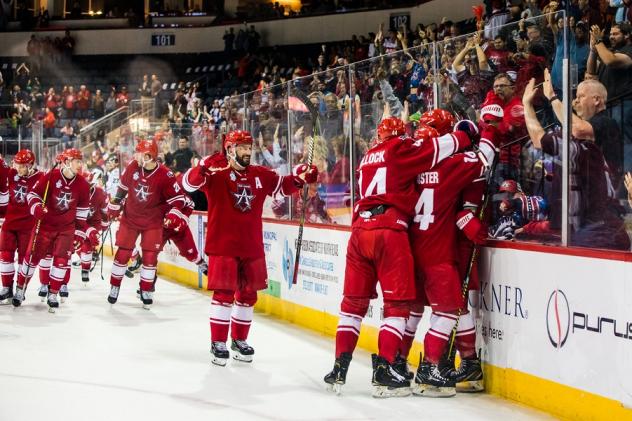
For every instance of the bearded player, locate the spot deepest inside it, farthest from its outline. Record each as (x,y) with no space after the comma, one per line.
(236,192)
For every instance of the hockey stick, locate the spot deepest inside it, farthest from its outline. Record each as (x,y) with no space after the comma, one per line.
(313,110)
(38,225)
(472,261)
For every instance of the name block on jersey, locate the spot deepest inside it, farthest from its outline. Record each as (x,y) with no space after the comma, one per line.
(373,158)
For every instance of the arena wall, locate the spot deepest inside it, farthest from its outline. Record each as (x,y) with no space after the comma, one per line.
(554,325)
(307,30)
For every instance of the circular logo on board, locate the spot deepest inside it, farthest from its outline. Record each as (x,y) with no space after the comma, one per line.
(558,318)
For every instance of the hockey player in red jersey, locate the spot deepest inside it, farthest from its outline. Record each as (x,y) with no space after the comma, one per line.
(379,248)
(18,223)
(236,192)
(434,245)
(97,222)
(179,232)
(152,198)
(63,223)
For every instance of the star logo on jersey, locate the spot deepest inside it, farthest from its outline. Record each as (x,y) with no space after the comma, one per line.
(20,194)
(63,201)
(243,197)
(142,192)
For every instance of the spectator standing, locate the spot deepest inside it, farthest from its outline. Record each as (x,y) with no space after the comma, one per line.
(229,40)
(183,155)
(110,102)
(145,88)
(473,72)
(67,134)
(83,102)
(98,104)
(613,67)
(122,98)
(70,100)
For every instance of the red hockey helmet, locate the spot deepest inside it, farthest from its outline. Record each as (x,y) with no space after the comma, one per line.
(237,137)
(148,147)
(390,127)
(60,158)
(24,156)
(425,133)
(73,153)
(510,186)
(439,119)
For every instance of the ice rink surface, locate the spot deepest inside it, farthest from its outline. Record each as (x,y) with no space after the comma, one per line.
(91,361)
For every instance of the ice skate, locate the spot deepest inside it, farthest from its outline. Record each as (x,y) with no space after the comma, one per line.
(6,294)
(338,376)
(387,382)
(53,303)
(114,293)
(219,353)
(18,297)
(133,267)
(43,292)
(85,276)
(400,365)
(468,376)
(430,382)
(243,351)
(147,297)
(63,293)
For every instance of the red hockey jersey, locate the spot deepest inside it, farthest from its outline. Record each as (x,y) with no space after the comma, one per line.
(68,202)
(386,176)
(235,204)
(98,208)
(434,231)
(150,194)
(18,217)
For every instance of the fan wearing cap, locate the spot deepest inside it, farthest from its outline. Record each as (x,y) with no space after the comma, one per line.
(63,222)
(18,223)
(153,200)
(511,124)
(379,248)
(236,192)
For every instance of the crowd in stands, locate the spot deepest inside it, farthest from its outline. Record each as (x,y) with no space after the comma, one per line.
(351,82)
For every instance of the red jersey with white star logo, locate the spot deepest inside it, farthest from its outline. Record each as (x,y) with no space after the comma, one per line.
(67,202)
(235,204)
(147,194)
(98,207)
(18,217)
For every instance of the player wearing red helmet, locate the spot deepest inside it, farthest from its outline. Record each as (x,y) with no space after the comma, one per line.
(434,246)
(379,248)
(236,192)
(439,119)
(18,223)
(425,133)
(63,222)
(153,199)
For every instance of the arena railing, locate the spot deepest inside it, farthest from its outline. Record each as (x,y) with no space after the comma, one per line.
(351,101)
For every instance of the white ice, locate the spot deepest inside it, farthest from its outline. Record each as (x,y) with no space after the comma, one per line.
(91,361)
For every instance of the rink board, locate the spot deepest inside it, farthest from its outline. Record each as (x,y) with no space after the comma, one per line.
(555,329)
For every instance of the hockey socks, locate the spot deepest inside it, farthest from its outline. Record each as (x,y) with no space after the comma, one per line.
(465,340)
(347,333)
(390,337)
(240,320)
(219,320)
(409,333)
(437,337)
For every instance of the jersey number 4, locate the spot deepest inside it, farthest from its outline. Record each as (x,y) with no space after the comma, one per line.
(424,208)
(377,184)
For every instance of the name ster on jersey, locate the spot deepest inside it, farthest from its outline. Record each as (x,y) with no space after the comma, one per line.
(431,177)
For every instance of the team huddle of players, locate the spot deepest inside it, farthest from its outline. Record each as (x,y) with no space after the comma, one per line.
(413,232)
(414,228)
